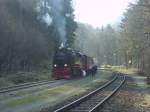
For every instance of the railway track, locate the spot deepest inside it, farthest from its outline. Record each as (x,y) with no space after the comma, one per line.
(94,100)
(24,86)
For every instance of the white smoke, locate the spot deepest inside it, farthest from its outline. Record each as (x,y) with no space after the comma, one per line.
(47,19)
(54,14)
(58,18)
(43,9)
(61,46)
(50,11)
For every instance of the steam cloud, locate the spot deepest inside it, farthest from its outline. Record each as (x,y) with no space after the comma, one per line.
(49,11)
(58,18)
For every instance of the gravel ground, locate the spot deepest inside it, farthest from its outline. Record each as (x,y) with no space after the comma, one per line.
(134,96)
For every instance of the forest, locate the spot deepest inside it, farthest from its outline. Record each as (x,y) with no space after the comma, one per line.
(126,44)
(31,31)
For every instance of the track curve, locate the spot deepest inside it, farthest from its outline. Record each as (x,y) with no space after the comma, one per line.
(92,101)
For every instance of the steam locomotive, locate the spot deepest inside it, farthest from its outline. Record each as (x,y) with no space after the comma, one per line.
(68,63)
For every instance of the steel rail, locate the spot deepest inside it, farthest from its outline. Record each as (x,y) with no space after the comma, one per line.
(28,85)
(95,109)
(78,101)
(24,86)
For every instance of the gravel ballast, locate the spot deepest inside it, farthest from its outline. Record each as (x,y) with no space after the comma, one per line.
(134,96)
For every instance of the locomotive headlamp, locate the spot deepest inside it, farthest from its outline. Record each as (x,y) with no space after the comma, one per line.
(55,65)
(65,65)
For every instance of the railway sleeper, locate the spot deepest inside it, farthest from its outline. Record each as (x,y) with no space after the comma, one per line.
(85,106)
(79,111)
(90,103)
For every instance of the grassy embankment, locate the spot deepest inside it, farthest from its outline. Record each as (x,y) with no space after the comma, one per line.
(24,77)
(58,94)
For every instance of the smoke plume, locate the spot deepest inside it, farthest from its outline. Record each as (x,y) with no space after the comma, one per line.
(59,20)
(52,12)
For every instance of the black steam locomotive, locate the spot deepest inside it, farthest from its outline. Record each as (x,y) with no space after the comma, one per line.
(68,63)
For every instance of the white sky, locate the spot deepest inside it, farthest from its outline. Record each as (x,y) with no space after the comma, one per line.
(99,12)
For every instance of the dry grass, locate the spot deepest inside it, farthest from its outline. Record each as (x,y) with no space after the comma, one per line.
(121,69)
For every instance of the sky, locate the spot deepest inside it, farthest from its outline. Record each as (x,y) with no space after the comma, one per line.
(100,12)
